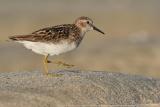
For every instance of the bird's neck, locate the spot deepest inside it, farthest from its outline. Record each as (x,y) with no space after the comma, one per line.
(82,29)
(83,32)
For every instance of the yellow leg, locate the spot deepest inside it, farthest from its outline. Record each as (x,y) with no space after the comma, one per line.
(64,64)
(45,63)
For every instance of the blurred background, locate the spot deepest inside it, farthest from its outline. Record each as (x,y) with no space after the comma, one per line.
(131,44)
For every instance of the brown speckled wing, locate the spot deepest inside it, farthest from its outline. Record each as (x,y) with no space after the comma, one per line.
(50,34)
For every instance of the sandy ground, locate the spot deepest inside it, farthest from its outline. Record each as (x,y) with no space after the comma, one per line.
(75,87)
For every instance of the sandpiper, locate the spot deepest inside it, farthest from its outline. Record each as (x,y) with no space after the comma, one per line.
(57,39)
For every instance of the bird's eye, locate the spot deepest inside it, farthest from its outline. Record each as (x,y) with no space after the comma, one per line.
(87,22)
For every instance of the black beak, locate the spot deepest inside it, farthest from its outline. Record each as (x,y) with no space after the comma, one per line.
(95,28)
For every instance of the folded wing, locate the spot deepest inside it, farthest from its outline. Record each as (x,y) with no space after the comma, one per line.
(49,34)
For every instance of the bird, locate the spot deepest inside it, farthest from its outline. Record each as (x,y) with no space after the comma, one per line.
(57,39)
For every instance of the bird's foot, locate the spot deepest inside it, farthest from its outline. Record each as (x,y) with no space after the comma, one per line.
(60,63)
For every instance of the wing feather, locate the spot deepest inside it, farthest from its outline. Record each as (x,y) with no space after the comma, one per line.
(49,34)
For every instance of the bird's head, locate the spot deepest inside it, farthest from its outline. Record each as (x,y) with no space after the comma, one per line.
(86,24)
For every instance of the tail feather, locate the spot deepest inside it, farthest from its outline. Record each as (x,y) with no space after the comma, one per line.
(14,38)
(19,37)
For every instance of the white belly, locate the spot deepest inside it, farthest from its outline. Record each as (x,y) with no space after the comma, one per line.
(51,49)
